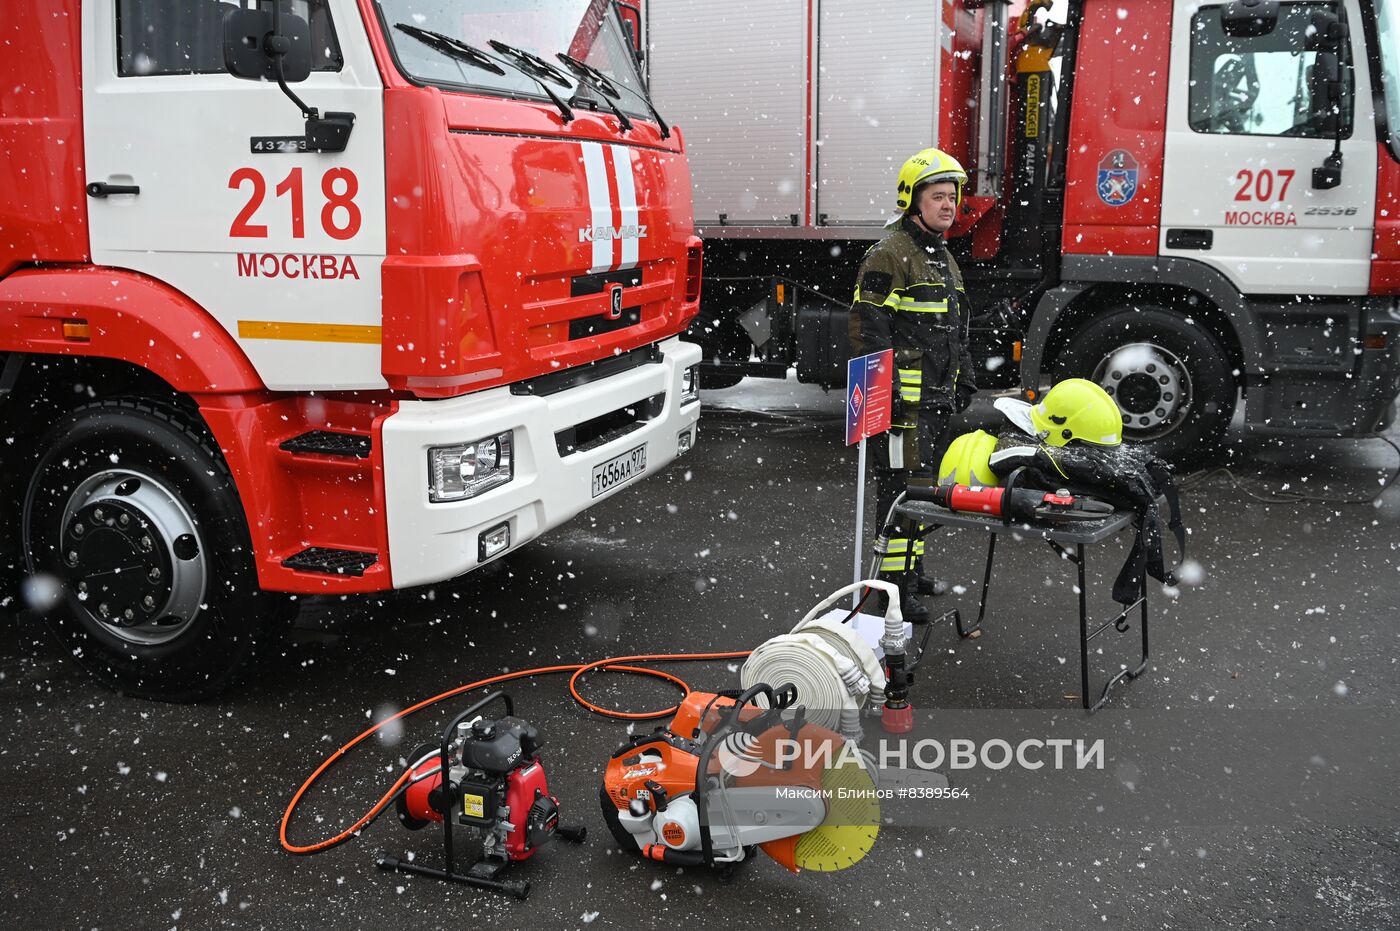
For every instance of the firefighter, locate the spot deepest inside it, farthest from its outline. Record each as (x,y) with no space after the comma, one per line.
(909,298)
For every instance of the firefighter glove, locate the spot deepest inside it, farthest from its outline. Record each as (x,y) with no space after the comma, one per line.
(965,392)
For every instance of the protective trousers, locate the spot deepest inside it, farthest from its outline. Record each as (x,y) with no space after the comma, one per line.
(922,448)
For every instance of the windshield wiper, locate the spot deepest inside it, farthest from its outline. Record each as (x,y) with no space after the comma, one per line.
(539,69)
(596,80)
(461,51)
(610,88)
(531,63)
(453,48)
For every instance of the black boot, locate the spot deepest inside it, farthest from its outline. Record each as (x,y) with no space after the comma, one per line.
(926,585)
(909,604)
(933,587)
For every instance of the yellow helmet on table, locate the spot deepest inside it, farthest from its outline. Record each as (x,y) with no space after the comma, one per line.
(1078,409)
(968,461)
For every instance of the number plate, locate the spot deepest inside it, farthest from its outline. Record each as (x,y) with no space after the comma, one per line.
(608,475)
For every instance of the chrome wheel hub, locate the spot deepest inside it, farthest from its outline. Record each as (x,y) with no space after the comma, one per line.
(1150,384)
(133,556)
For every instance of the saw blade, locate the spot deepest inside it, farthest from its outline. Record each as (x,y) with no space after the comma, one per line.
(850,827)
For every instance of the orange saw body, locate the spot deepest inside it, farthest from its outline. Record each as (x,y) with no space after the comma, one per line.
(729,777)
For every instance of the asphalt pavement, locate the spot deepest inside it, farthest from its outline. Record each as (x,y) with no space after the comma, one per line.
(131,814)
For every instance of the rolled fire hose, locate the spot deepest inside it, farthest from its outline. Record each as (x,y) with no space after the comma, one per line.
(836,673)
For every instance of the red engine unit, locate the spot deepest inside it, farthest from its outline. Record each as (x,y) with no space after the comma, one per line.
(485,775)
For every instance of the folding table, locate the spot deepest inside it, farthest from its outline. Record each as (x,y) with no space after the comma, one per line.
(1061,537)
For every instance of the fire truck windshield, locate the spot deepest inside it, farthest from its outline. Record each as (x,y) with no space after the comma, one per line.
(588,31)
(1388,28)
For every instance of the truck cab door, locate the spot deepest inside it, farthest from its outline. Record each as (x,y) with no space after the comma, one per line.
(1244,133)
(196,179)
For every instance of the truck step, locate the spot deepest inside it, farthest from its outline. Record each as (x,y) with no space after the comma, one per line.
(331,562)
(329,443)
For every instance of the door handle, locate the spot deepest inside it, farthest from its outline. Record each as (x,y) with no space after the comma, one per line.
(103,189)
(1190,239)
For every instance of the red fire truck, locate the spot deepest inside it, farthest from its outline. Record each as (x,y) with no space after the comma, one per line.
(321,297)
(1188,201)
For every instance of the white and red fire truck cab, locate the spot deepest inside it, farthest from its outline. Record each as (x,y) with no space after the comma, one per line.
(244,353)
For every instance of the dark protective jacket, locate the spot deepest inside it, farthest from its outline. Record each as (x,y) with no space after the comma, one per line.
(910,298)
(1125,476)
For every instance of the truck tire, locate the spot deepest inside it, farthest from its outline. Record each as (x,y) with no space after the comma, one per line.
(1171,379)
(12,577)
(721,339)
(132,512)
(12,570)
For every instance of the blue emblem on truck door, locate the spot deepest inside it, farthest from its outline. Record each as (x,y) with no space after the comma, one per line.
(1118,177)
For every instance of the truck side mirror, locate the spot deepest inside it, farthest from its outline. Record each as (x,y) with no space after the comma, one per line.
(1326,89)
(1248,19)
(276,46)
(1326,33)
(631,16)
(632,21)
(1329,174)
(251,46)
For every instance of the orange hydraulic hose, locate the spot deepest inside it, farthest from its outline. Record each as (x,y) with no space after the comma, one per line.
(578,670)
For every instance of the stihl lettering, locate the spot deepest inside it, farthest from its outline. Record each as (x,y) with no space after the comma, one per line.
(313,267)
(607,233)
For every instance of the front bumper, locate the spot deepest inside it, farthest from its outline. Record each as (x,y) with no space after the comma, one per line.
(1380,370)
(1351,398)
(431,542)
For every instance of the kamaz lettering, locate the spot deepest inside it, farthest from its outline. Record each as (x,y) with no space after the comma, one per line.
(605,233)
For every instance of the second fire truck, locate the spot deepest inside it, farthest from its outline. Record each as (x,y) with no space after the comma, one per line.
(1202,210)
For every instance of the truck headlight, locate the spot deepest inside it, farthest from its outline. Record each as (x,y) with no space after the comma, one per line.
(467,469)
(690,384)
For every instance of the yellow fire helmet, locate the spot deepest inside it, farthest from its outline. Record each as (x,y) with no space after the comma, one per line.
(967,461)
(924,168)
(1078,409)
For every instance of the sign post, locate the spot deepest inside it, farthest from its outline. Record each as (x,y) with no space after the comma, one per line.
(868,380)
